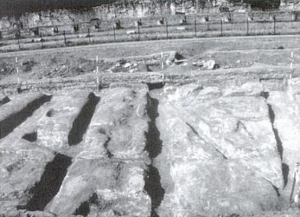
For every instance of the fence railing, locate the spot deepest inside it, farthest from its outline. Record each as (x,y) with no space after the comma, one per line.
(191,29)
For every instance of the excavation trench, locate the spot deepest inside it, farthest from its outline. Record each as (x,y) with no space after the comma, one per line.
(153,86)
(108,152)
(83,120)
(154,146)
(284,167)
(49,184)
(10,123)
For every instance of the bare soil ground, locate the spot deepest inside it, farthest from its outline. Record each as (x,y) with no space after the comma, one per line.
(180,59)
(156,56)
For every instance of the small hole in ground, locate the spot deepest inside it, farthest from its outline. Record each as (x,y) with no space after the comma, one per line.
(50,113)
(84,208)
(31,137)
(4,101)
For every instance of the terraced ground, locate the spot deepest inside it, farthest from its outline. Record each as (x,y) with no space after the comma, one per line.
(179,141)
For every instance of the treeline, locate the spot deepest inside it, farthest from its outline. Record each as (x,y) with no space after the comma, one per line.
(265,4)
(18,7)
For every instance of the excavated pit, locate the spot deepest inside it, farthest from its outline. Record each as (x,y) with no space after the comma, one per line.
(50,113)
(31,137)
(84,208)
(154,146)
(154,189)
(10,123)
(55,171)
(154,143)
(4,100)
(83,120)
(49,184)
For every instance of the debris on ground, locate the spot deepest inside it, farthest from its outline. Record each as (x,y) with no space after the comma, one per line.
(210,64)
(27,65)
(174,58)
(131,32)
(206,64)
(124,66)
(6,68)
(198,63)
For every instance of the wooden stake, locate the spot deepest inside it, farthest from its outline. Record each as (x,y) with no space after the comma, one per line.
(162,60)
(294,199)
(292,63)
(97,71)
(292,59)
(17,69)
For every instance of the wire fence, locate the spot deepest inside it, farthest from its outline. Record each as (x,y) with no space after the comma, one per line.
(186,29)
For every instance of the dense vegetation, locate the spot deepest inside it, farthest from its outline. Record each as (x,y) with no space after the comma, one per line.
(17,7)
(265,4)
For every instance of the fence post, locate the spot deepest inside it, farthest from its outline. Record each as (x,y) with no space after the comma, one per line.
(19,42)
(139,31)
(97,72)
(167,31)
(247,26)
(274,25)
(42,40)
(221,27)
(195,28)
(18,37)
(114,33)
(17,69)
(89,35)
(291,64)
(65,39)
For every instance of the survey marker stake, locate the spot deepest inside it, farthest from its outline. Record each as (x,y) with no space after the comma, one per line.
(17,69)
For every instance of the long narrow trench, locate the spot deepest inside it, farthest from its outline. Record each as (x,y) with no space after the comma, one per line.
(83,120)
(153,146)
(10,123)
(153,86)
(105,145)
(284,167)
(49,184)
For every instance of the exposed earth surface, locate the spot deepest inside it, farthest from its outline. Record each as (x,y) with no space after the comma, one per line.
(183,128)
